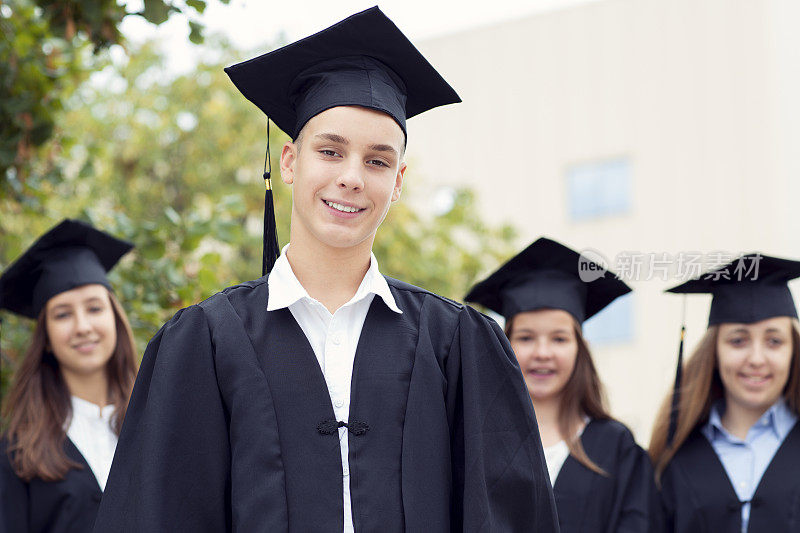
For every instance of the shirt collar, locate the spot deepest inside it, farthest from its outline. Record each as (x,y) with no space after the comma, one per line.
(88,409)
(285,289)
(778,418)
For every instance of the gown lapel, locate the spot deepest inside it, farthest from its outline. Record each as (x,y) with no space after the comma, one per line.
(312,460)
(378,396)
(86,473)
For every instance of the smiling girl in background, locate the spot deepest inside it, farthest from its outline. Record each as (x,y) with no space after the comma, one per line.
(70,391)
(728,459)
(602,480)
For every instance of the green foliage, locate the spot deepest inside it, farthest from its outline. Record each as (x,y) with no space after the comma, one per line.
(48,48)
(174,165)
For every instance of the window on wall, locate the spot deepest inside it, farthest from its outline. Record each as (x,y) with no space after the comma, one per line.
(612,325)
(598,189)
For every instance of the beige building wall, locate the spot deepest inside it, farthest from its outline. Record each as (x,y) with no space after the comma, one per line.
(700,96)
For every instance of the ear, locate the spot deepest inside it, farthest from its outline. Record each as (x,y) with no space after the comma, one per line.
(398,182)
(288,160)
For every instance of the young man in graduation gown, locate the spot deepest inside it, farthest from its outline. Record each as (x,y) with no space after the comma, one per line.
(325,396)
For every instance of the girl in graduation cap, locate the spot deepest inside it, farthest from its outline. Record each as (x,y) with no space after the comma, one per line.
(70,391)
(602,480)
(726,445)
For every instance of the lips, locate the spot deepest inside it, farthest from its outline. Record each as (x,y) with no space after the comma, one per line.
(85,347)
(343,207)
(755,380)
(541,372)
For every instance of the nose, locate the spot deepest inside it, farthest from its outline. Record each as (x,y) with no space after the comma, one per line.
(82,323)
(757,355)
(352,177)
(542,350)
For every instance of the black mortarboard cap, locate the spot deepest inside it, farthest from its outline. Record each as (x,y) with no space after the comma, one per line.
(364,60)
(547,274)
(746,290)
(71,254)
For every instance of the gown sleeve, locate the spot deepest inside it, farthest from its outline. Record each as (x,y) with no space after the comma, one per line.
(638,508)
(667,494)
(500,480)
(13,496)
(172,462)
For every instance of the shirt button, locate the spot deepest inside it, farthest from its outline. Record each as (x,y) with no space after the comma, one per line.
(336,339)
(338,403)
(742,484)
(346,471)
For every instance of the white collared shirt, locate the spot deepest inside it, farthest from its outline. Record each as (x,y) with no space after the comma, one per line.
(90,431)
(333,337)
(555,455)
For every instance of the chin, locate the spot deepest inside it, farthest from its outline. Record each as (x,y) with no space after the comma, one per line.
(758,401)
(339,239)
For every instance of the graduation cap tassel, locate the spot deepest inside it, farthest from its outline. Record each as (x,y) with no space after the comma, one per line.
(271,249)
(676,389)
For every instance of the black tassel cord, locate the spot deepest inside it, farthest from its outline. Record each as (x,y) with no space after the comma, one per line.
(271,249)
(676,389)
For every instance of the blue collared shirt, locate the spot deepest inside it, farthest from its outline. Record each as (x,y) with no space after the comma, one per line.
(745,461)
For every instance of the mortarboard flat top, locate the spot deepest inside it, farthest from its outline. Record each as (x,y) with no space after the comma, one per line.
(69,255)
(749,289)
(364,60)
(547,275)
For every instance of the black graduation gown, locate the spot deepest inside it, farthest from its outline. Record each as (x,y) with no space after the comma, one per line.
(222,430)
(66,506)
(625,501)
(698,497)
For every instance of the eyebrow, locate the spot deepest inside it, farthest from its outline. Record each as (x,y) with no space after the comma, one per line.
(333,137)
(90,300)
(554,332)
(339,139)
(383,148)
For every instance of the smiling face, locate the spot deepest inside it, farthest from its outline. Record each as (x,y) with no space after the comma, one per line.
(546,347)
(754,360)
(345,171)
(81,330)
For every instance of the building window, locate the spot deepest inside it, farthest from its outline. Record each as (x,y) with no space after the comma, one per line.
(612,325)
(599,189)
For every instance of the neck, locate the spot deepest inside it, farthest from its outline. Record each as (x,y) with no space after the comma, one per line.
(329,275)
(90,387)
(547,413)
(738,419)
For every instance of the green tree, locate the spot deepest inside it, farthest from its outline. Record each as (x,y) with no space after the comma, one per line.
(47,48)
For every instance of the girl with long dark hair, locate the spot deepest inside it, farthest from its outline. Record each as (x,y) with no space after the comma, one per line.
(69,394)
(602,480)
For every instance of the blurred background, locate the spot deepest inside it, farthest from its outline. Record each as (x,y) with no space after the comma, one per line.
(645,130)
